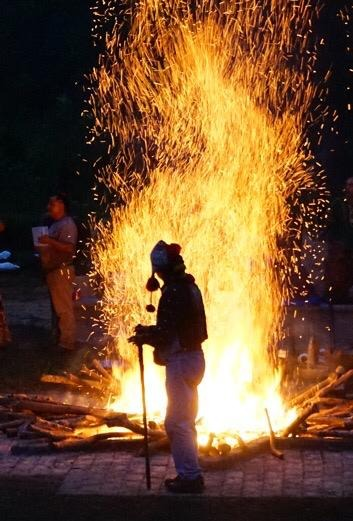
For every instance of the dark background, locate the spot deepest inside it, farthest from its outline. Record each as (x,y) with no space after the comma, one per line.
(46,49)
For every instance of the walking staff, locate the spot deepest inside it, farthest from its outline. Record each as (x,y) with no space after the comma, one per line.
(139,346)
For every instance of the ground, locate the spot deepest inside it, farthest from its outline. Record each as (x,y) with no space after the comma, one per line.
(307,484)
(33,351)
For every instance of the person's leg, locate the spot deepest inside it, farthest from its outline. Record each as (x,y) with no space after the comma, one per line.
(183,374)
(60,284)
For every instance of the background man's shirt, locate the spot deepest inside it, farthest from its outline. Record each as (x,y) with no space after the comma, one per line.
(64,230)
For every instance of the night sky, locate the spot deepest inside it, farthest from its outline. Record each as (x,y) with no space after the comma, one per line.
(46,49)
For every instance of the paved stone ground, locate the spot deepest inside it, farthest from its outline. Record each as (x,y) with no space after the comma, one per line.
(302,474)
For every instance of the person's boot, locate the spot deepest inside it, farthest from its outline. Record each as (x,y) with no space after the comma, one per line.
(181,485)
(169,481)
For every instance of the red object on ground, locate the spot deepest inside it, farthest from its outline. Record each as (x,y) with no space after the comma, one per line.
(5,336)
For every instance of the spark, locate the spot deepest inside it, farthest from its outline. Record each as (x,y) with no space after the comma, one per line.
(205,112)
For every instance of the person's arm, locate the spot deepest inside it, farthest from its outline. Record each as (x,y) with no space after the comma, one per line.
(65,247)
(165,330)
(65,241)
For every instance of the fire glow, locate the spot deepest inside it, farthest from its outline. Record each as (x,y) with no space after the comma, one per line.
(205,110)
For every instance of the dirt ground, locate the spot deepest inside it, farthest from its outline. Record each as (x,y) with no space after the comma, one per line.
(32,351)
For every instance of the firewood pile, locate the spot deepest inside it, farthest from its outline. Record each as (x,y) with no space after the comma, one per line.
(41,424)
(325,410)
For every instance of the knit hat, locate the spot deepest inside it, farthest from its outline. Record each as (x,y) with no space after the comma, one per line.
(164,258)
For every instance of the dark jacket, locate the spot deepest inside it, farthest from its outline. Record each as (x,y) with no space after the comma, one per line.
(181,320)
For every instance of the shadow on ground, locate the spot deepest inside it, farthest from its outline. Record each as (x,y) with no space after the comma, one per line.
(20,501)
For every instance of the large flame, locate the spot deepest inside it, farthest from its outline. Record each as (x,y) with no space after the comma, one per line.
(204,110)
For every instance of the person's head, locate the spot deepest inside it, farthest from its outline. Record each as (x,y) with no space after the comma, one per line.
(2,226)
(166,263)
(58,206)
(166,260)
(349,187)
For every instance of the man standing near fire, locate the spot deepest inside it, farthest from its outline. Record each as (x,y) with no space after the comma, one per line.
(57,257)
(177,338)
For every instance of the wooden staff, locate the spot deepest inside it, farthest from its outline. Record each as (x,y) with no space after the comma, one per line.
(139,346)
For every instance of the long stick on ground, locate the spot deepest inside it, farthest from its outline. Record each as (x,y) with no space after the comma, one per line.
(145,428)
(274,450)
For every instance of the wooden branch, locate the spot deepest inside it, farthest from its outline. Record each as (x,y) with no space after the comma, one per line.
(334,384)
(98,366)
(75,443)
(124,422)
(292,428)
(274,451)
(304,396)
(90,373)
(53,408)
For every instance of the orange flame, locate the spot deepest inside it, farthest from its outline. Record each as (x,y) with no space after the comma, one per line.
(213,101)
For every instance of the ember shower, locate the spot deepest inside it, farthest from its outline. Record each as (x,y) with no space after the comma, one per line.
(203,109)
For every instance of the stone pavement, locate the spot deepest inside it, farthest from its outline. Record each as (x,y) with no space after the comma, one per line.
(302,474)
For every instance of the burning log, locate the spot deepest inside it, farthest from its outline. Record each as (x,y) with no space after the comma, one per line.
(253,448)
(90,373)
(133,427)
(81,422)
(76,443)
(224,449)
(240,441)
(293,427)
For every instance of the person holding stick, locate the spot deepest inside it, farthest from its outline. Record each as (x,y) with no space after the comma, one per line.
(177,338)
